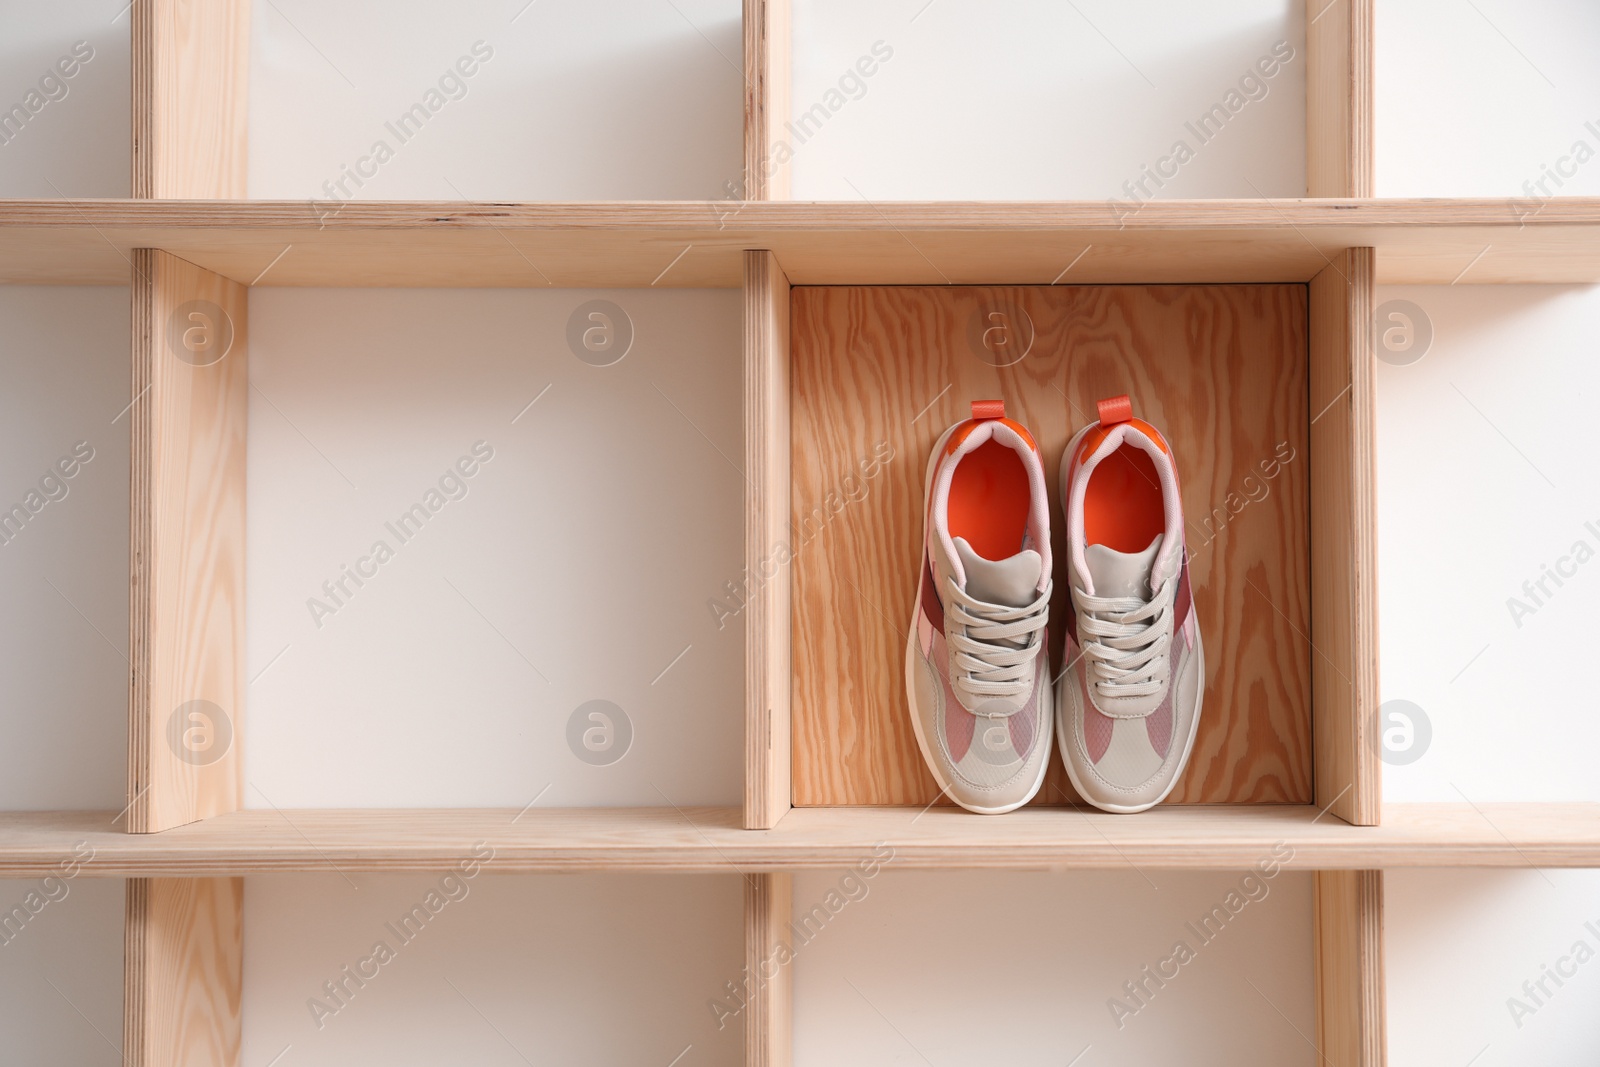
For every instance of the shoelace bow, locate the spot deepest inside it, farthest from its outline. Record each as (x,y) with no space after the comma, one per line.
(986,663)
(1127,638)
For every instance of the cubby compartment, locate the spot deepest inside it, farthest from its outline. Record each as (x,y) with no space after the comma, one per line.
(937,101)
(1493,968)
(1107,967)
(492,100)
(489,534)
(61,966)
(471,966)
(1488,527)
(64,126)
(878,373)
(64,427)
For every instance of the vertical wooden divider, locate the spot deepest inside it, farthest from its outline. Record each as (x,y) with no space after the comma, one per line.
(1349,965)
(191,382)
(768,898)
(768,567)
(184,944)
(766,98)
(768,673)
(1344,546)
(768,1028)
(1344,638)
(191,76)
(1344,586)
(183,937)
(1339,98)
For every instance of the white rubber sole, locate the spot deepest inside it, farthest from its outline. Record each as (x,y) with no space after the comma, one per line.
(1183,761)
(912,654)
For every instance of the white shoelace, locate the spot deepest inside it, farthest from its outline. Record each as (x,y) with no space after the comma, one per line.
(992,646)
(1125,639)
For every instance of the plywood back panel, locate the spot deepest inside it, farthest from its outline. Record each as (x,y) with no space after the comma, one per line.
(879,372)
(186,609)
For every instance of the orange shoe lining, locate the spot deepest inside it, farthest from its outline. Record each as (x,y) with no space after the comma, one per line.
(1122,505)
(989,497)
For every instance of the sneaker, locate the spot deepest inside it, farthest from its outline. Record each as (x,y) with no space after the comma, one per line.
(977,674)
(1128,705)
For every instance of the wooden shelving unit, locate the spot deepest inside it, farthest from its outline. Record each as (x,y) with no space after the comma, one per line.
(185,844)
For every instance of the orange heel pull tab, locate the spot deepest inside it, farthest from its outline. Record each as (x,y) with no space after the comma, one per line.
(988,409)
(1116,409)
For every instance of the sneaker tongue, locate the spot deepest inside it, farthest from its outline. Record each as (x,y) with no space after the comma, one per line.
(1012,582)
(1121,573)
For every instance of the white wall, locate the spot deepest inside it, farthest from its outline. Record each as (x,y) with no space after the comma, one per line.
(1484,479)
(61,971)
(621,100)
(1019,968)
(508,970)
(577,567)
(64,574)
(1475,99)
(1460,946)
(75,141)
(1042,100)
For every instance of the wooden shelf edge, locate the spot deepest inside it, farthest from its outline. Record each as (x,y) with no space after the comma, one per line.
(701,243)
(711,840)
(739,216)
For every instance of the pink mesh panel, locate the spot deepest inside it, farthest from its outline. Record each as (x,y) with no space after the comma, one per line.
(1158,724)
(1021,725)
(959,723)
(1096,727)
(958,726)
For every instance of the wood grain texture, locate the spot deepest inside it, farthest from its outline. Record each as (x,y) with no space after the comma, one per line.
(186,598)
(1200,837)
(769,1016)
(768,574)
(702,243)
(191,61)
(880,372)
(1344,541)
(1339,98)
(1349,961)
(767,81)
(183,978)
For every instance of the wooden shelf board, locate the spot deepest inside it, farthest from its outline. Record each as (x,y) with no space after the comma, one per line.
(699,243)
(710,839)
